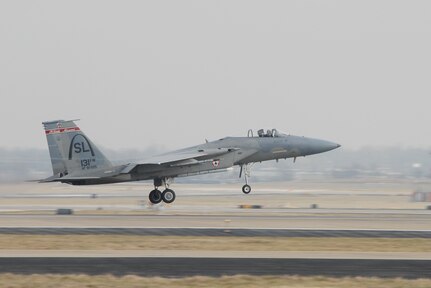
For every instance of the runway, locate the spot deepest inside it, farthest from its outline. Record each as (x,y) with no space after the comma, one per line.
(342,210)
(182,267)
(337,206)
(246,220)
(217,232)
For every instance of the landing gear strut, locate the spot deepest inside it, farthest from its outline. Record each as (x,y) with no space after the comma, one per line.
(167,196)
(246,188)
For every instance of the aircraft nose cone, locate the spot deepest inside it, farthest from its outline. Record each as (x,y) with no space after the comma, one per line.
(303,146)
(316,146)
(333,146)
(327,146)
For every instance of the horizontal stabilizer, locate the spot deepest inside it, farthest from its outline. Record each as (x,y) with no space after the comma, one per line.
(55,178)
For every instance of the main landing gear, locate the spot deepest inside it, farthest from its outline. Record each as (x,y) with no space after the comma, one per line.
(246,188)
(167,196)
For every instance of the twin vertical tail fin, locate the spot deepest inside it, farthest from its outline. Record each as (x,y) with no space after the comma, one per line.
(72,153)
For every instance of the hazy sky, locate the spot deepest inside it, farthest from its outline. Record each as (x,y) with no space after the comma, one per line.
(172,73)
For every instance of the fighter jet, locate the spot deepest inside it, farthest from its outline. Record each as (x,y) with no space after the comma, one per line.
(77,161)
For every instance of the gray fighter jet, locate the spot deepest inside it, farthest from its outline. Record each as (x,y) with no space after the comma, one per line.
(77,161)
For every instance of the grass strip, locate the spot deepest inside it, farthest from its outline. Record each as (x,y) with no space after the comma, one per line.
(50,280)
(229,243)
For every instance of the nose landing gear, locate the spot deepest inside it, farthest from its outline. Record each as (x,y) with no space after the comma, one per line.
(246,188)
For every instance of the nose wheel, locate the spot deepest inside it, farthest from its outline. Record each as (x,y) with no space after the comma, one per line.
(246,189)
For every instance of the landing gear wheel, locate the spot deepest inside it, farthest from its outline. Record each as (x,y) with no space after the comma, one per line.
(155,196)
(168,196)
(246,189)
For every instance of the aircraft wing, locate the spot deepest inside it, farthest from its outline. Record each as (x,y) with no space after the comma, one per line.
(178,158)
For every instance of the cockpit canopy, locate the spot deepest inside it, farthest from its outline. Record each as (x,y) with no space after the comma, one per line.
(268,133)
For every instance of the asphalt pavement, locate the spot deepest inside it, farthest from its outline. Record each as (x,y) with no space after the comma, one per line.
(217,232)
(183,267)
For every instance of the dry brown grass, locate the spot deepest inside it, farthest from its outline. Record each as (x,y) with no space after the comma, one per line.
(127,242)
(68,281)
